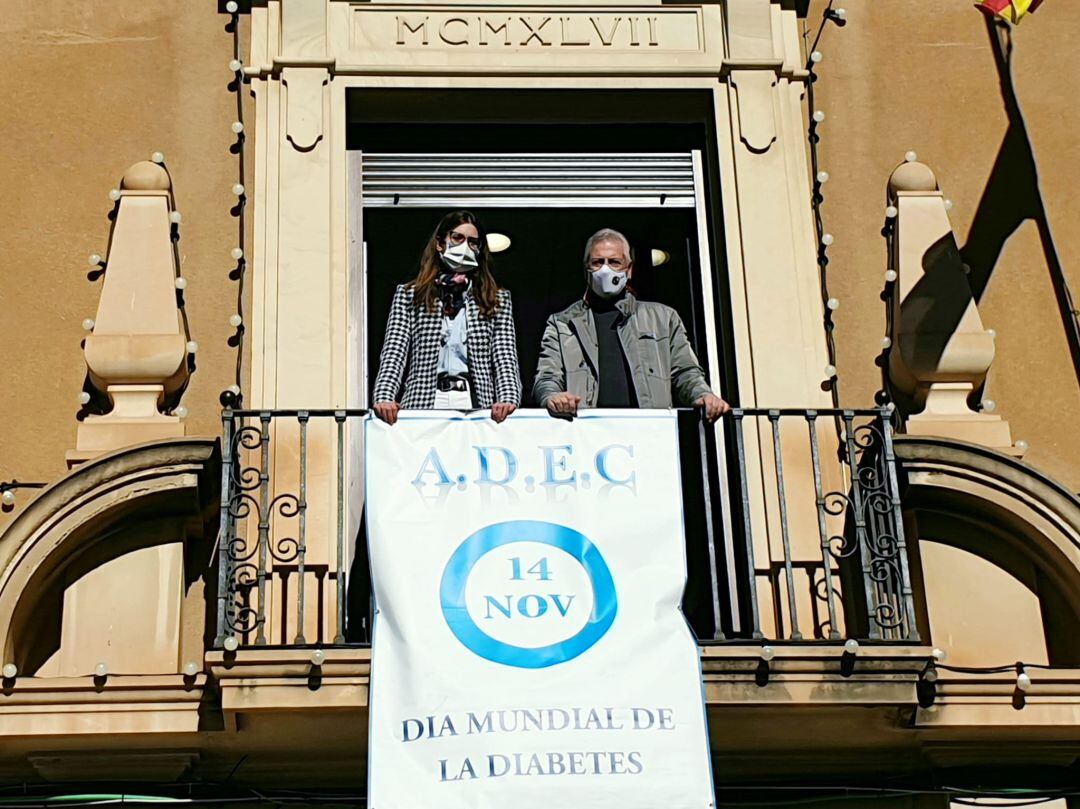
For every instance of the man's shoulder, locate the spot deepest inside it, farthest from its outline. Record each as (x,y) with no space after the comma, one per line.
(654,309)
(571,311)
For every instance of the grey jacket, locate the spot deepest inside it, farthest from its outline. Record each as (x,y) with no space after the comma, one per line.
(654,342)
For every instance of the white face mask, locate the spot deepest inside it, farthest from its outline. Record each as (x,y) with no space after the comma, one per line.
(460,257)
(606,282)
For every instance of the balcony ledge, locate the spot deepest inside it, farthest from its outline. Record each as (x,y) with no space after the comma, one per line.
(117,704)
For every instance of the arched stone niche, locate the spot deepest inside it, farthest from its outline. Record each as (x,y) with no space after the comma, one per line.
(109,563)
(995,524)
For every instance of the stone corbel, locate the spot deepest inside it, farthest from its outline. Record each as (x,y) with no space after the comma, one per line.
(755,91)
(941,352)
(304,105)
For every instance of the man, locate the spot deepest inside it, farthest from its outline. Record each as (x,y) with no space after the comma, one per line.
(612,350)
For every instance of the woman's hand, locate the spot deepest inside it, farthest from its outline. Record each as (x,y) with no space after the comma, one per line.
(500,410)
(387,411)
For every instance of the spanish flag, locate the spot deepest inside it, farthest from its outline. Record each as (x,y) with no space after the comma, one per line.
(1009,10)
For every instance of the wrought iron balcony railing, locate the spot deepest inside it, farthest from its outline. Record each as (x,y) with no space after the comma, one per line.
(793,522)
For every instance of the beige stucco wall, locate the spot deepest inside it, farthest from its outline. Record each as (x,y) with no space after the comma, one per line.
(89,89)
(900,77)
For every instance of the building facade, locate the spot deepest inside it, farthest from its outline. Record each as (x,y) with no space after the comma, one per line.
(863,218)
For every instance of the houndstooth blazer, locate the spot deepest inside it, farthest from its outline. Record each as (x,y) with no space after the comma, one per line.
(410,353)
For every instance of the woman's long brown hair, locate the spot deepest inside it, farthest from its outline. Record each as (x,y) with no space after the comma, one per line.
(484,289)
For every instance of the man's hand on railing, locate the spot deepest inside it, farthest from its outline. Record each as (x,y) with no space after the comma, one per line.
(500,410)
(563,405)
(714,407)
(387,411)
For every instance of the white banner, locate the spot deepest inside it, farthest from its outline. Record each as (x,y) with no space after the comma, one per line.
(529,649)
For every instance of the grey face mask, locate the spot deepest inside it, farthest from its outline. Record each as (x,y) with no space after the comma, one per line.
(606,282)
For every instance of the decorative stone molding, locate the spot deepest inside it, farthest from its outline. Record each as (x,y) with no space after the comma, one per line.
(137,352)
(304,105)
(75,520)
(941,351)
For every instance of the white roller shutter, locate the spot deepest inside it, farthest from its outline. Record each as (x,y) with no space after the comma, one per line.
(528,180)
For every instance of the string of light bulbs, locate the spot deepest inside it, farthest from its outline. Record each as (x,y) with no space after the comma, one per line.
(233,395)
(820,177)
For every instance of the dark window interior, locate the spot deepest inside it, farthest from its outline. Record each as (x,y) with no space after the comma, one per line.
(543,267)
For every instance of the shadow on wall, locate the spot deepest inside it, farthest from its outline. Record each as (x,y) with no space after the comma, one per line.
(1011,197)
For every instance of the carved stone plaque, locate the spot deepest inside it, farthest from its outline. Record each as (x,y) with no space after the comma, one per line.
(427,35)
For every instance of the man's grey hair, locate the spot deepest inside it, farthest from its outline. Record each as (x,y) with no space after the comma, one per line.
(607,235)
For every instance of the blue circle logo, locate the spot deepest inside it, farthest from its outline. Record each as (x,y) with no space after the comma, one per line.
(567,581)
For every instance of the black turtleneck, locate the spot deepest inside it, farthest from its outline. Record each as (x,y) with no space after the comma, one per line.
(616,381)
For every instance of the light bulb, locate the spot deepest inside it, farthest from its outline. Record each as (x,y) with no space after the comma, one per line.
(851,647)
(819,116)
(234,390)
(101,670)
(157,157)
(235,65)
(830,371)
(948,204)
(10,670)
(939,654)
(989,405)
(931,675)
(891,212)
(8,497)
(180,282)
(827,239)
(175,217)
(816,57)
(192,347)
(191,668)
(891,407)
(823,177)
(88,324)
(1021,445)
(231,7)
(180,411)
(911,157)
(833,303)
(93,259)
(886,342)
(318,657)
(235,320)
(237,253)
(1023,681)
(767,653)
(114,194)
(890,276)
(231,643)
(238,190)
(992,333)
(841,13)
(84,397)
(237,127)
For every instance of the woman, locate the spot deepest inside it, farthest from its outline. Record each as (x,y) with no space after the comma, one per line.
(450,341)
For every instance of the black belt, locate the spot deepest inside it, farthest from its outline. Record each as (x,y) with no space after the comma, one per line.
(446,383)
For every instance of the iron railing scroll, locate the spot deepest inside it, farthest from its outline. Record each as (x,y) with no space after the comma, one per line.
(807,510)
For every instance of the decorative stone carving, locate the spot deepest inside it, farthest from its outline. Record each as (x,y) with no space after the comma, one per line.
(304,105)
(941,351)
(137,352)
(755,91)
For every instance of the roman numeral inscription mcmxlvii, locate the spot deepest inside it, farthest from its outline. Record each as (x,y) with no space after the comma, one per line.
(578,30)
